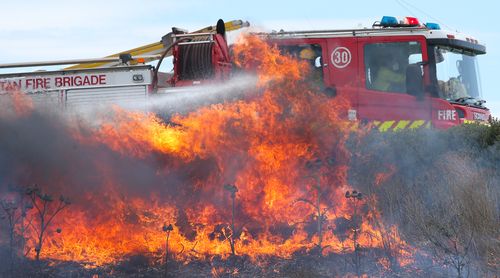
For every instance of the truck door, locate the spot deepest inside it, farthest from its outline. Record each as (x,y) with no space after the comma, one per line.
(342,62)
(390,70)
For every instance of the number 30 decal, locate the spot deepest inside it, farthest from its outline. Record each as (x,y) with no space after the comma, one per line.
(341,57)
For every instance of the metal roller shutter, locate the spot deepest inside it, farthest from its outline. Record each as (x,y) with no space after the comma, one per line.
(106,95)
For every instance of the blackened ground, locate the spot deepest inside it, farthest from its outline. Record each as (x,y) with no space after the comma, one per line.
(301,265)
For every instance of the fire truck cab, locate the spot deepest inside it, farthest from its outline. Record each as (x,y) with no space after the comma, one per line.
(398,74)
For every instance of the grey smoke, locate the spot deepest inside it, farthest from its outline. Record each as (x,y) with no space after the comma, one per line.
(444,186)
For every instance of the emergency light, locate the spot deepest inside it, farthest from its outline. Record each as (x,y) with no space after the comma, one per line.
(432,26)
(411,21)
(391,21)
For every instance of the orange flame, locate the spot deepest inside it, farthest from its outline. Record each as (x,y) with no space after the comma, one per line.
(20,103)
(284,151)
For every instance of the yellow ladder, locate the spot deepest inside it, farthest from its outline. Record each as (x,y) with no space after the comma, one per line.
(155,48)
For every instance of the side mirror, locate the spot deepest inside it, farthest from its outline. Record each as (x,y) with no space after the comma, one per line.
(318,62)
(415,81)
(439,55)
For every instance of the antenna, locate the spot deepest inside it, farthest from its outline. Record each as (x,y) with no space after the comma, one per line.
(405,5)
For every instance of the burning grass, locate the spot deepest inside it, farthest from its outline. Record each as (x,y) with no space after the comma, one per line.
(252,187)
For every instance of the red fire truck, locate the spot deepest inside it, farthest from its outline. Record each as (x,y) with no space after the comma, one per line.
(398,74)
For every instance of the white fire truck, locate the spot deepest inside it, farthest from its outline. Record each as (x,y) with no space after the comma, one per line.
(124,76)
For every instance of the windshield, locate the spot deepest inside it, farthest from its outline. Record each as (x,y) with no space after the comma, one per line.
(457,74)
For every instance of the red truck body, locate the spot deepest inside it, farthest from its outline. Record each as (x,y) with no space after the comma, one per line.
(441,80)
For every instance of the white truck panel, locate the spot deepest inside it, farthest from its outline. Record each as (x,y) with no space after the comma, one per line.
(96,96)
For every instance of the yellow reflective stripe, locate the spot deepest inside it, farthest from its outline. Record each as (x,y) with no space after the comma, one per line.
(417,124)
(385,126)
(401,125)
(476,122)
(395,125)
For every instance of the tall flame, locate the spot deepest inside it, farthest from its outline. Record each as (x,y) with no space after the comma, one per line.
(284,151)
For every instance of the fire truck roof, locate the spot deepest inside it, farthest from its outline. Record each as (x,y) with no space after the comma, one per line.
(457,39)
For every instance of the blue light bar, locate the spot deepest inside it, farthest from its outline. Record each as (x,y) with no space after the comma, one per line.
(432,26)
(389,21)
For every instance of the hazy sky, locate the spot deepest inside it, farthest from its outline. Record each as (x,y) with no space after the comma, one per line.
(54,30)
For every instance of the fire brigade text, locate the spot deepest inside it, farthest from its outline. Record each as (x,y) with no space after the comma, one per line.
(44,83)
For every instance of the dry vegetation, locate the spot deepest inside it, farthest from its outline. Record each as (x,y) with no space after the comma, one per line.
(443,194)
